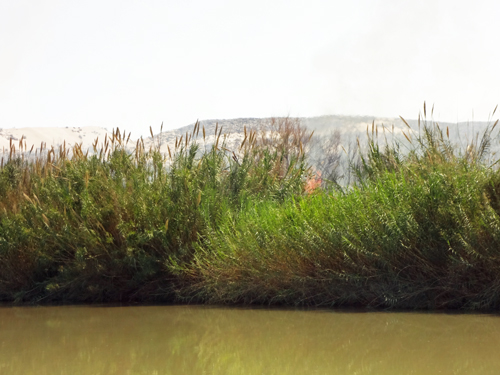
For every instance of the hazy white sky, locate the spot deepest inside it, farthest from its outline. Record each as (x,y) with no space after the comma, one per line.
(137,63)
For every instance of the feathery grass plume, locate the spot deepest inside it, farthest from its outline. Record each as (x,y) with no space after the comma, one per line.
(418,227)
(95,232)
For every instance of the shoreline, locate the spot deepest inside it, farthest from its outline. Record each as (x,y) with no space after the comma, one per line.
(417,230)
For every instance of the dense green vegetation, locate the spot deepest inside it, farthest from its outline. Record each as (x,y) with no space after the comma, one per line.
(418,227)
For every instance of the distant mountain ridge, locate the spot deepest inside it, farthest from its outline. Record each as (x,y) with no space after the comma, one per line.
(50,136)
(350,127)
(234,128)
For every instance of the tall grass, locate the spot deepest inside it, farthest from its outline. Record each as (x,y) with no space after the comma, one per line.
(116,225)
(417,227)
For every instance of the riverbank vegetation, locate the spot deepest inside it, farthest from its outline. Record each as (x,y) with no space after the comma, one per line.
(417,226)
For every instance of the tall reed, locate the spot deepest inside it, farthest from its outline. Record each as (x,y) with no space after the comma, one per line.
(112,224)
(418,225)
(420,228)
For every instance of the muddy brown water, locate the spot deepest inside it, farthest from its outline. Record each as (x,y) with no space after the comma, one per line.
(210,340)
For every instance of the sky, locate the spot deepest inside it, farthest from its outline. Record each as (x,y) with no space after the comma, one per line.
(136,64)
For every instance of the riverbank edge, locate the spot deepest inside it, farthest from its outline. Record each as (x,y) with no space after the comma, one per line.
(417,230)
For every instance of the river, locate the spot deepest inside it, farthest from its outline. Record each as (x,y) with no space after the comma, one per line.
(215,340)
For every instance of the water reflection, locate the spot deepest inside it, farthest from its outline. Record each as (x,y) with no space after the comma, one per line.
(204,340)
